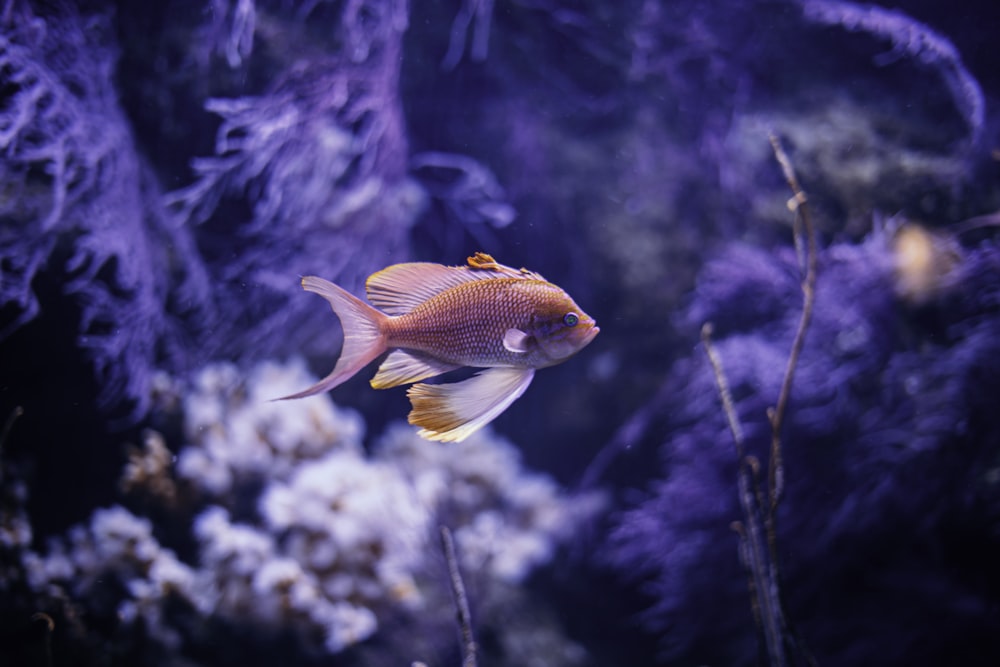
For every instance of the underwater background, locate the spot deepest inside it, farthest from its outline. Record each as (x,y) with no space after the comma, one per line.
(170,170)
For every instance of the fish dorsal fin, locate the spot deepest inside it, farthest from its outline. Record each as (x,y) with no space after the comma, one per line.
(400,288)
(453,412)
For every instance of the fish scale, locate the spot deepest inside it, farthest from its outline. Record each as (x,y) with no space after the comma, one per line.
(456,327)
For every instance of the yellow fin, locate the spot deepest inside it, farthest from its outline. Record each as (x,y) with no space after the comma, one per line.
(404,367)
(453,412)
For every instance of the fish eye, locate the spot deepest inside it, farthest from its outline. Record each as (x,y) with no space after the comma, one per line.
(571,319)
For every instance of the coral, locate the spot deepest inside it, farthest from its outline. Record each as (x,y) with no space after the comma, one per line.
(166,177)
(317,161)
(309,176)
(117,547)
(912,38)
(233,29)
(472,11)
(239,433)
(880,400)
(880,171)
(505,520)
(468,190)
(334,539)
(76,191)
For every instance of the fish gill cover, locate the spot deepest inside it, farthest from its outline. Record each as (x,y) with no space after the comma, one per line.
(171,170)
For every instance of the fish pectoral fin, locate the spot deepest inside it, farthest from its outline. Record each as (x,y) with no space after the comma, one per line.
(452,412)
(516,341)
(405,367)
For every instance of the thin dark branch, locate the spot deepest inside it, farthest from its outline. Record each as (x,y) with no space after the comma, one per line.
(461,600)
(803,225)
(799,206)
(724,393)
(765,601)
(759,523)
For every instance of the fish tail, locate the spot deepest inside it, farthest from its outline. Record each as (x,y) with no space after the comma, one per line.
(364,334)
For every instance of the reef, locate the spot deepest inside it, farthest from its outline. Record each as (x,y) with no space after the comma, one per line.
(169,172)
(281,525)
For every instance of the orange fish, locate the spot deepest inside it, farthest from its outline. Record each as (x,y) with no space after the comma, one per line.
(433,319)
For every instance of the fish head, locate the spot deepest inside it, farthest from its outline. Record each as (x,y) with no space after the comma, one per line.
(561,328)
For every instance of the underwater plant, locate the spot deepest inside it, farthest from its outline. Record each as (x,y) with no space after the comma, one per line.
(310,174)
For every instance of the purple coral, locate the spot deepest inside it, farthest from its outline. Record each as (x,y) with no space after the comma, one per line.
(309,176)
(886,437)
(74,183)
(912,38)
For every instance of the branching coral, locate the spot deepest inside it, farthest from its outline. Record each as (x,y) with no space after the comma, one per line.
(309,176)
(319,164)
(240,434)
(911,38)
(75,190)
(233,29)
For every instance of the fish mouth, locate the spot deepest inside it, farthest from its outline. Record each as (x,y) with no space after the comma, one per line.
(594,330)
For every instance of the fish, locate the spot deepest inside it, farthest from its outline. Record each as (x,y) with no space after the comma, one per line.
(433,319)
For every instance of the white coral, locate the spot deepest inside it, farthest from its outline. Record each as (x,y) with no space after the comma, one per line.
(117,544)
(338,538)
(240,430)
(509,520)
(356,520)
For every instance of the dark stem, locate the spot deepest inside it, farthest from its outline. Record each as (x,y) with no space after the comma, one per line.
(765,601)
(799,206)
(461,600)
(758,527)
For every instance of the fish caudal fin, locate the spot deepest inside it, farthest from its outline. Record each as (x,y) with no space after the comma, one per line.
(364,337)
(453,412)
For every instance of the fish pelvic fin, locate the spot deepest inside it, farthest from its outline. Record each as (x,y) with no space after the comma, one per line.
(407,366)
(364,334)
(452,412)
